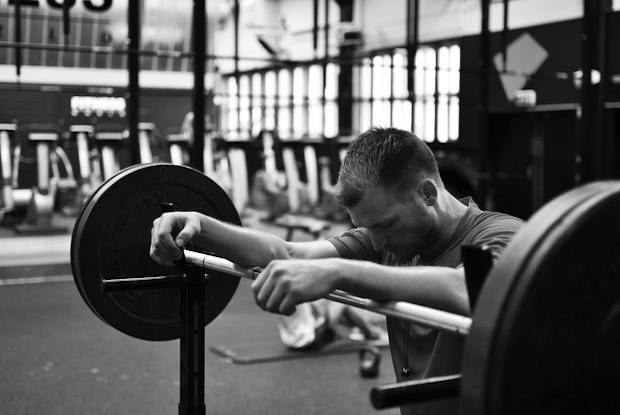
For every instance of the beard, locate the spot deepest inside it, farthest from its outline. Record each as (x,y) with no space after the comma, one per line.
(423,241)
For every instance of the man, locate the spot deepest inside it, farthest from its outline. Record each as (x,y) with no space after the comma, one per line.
(405,247)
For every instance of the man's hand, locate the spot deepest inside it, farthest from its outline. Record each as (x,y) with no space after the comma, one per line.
(285,283)
(171,232)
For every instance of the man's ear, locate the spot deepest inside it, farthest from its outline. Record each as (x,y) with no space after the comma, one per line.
(428,191)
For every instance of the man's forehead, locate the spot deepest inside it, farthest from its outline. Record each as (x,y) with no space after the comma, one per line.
(374,208)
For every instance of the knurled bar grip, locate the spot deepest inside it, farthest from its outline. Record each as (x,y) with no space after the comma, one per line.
(414,313)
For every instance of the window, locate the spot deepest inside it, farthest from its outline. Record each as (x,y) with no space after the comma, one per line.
(232,119)
(257,104)
(284,103)
(380,86)
(331,103)
(270,100)
(315,95)
(300,104)
(244,107)
(302,101)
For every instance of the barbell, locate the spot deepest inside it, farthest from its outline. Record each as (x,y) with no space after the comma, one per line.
(545,332)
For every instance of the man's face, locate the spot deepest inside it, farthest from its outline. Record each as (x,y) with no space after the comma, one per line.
(401,225)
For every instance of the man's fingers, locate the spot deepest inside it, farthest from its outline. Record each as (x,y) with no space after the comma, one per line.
(275,298)
(288,305)
(257,284)
(187,234)
(163,247)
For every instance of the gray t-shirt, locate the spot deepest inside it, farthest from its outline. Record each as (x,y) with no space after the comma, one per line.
(429,352)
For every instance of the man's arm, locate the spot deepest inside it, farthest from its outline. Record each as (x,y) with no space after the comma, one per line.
(284,284)
(241,245)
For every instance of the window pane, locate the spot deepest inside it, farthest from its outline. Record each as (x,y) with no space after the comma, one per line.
(402,115)
(244,105)
(377,87)
(299,85)
(244,115)
(381,113)
(400,76)
(299,126)
(257,102)
(455,65)
(429,120)
(419,73)
(365,116)
(442,119)
(270,84)
(233,123)
(365,79)
(443,72)
(270,92)
(284,99)
(331,88)
(455,57)
(453,132)
(257,119)
(315,82)
(331,119)
(284,122)
(381,87)
(232,86)
(270,118)
(257,83)
(244,85)
(429,78)
(315,120)
(419,119)
(284,85)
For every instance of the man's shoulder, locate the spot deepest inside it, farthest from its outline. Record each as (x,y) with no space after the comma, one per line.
(497,219)
(492,229)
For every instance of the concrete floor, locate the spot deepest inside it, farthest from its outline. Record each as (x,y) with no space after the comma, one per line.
(57,357)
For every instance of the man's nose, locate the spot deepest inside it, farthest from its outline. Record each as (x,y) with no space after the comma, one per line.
(378,241)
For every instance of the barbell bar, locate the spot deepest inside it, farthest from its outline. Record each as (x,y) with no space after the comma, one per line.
(413,313)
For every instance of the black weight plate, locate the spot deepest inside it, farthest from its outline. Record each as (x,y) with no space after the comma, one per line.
(111,239)
(544,338)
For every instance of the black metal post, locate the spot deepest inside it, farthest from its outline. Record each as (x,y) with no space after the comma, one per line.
(192,342)
(412,40)
(133,90)
(505,35)
(315,26)
(66,20)
(609,154)
(18,38)
(326,58)
(345,77)
(415,391)
(198,98)
(236,12)
(485,163)
(592,146)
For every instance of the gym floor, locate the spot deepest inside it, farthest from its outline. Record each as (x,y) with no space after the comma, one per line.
(57,357)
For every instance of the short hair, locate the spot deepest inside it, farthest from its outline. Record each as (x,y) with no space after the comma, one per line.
(389,157)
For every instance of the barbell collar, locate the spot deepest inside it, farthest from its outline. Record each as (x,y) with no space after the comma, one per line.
(413,313)
(415,391)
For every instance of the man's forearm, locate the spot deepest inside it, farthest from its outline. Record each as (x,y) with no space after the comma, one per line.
(437,287)
(241,245)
